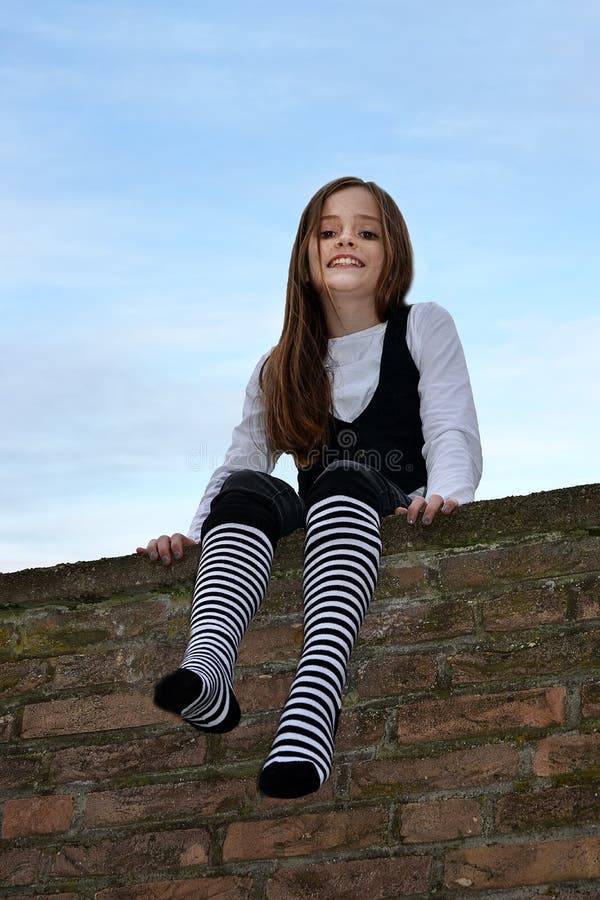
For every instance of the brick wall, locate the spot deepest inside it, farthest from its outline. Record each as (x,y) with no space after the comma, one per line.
(467,758)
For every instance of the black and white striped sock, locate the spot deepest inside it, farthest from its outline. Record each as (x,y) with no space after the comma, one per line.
(342,553)
(233,574)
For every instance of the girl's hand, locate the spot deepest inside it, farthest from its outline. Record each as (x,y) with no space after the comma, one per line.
(166,548)
(428,508)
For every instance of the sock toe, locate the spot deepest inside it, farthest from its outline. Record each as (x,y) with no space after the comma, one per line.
(289,779)
(176,691)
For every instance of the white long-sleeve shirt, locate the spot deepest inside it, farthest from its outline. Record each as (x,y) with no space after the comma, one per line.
(452,448)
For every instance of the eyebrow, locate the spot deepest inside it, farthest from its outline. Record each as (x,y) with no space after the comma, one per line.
(358,216)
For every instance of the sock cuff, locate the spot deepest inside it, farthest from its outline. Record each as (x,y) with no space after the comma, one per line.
(237,509)
(255,535)
(351,505)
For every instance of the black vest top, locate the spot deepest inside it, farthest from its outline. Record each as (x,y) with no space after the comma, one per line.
(387,435)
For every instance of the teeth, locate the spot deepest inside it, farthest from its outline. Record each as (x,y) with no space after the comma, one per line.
(345,261)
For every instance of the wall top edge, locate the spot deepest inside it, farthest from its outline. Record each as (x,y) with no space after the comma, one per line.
(484,521)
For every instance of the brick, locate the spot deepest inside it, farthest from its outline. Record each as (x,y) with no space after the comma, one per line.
(439,820)
(454,769)
(7,727)
(161,801)
(284,595)
(590,700)
(391,675)
(44,897)
(585,594)
(572,894)
(486,568)
(397,580)
(22,676)
(109,667)
(481,868)
(64,630)
(37,815)
(141,852)
(438,720)
(181,750)
(153,657)
(567,753)
(232,887)
(275,643)
(413,622)
(525,607)
(261,692)
(361,728)
(540,654)
(304,834)
(18,867)
(373,878)
(328,792)
(247,742)
(8,640)
(99,713)
(550,808)
(19,769)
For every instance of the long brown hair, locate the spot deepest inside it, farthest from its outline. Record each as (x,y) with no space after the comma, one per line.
(294,381)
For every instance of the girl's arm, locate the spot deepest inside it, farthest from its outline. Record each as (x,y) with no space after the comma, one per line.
(452,448)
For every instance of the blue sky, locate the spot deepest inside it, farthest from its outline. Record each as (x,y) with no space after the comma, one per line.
(154,160)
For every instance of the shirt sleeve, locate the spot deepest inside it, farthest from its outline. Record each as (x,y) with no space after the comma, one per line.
(248,450)
(452,446)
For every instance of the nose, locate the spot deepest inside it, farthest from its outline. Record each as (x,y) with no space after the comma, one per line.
(344,239)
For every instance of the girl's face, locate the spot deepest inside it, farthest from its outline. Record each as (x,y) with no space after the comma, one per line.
(349,237)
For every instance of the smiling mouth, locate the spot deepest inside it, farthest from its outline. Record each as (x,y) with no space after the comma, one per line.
(345,261)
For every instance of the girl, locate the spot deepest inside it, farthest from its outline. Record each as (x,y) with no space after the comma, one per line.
(373,400)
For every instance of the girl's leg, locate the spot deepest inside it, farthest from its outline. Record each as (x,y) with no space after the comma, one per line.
(251,512)
(342,553)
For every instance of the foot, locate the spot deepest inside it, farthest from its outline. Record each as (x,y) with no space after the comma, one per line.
(289,779)
(297,777)
(208,706)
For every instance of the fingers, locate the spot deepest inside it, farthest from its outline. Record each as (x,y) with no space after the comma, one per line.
(427,509)
(416,507)
(165,548)
(449,506)
(151,550)
(432,508)
(178,543)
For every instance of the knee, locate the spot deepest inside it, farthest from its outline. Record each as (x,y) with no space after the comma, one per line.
(253,498)
(243,489)
(344,477)
(243,480)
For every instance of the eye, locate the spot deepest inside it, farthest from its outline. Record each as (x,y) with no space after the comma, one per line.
(327,234)
(368,235)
